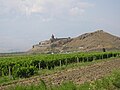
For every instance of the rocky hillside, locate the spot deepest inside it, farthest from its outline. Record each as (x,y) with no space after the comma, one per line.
(94,41)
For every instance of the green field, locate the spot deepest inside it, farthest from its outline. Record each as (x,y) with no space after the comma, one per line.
(28,65)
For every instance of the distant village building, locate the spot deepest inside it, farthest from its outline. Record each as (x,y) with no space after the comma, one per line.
(52,38)
(53,42)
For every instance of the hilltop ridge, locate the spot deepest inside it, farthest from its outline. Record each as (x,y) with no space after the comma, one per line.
(94,41)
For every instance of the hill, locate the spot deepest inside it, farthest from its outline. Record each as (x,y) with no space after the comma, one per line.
(94,41)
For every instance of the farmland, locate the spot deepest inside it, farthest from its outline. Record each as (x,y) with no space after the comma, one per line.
(111,82)
(26,66)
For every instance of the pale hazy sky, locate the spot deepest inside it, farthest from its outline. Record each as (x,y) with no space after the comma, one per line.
(26,22)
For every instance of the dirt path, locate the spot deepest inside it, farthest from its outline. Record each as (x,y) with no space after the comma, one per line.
(79,75)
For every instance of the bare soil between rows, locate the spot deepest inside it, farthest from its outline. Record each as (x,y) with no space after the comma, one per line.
(78,75)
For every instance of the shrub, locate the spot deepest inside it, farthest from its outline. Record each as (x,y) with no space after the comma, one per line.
(24,72)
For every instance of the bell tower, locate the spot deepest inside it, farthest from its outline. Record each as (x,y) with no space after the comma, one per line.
(52,37)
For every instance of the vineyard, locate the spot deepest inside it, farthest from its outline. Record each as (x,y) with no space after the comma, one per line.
(28,65)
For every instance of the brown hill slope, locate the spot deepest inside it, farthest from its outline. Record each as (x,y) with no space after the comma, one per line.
(94,41)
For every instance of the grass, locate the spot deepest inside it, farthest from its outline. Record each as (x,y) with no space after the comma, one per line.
(7,80)
(43,86)
(111,82)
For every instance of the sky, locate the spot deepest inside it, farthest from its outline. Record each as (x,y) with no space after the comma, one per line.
(24,23)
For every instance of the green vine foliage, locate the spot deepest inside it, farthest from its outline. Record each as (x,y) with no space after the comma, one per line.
(28,65)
